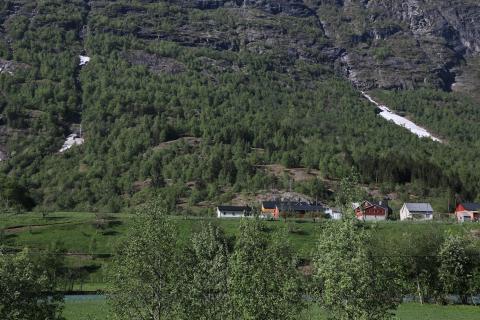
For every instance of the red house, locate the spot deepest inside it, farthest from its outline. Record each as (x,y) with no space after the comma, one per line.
(467,211)
(369,210)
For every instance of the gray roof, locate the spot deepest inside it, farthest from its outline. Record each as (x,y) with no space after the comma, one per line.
(419,207)
(471,206)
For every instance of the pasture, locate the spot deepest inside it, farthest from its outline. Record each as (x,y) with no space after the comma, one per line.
(89,239)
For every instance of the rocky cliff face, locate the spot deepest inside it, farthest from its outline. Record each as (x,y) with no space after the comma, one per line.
(376,44)
(402,44)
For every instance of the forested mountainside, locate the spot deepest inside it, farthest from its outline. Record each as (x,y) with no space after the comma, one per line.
(188,99)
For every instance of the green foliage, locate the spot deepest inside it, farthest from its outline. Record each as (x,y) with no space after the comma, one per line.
(348,193)
(146,270)
(206,293)
(201,111)
(416,254)
(453,269)
(263,280)
(26,286)
(13,196)
(353,283)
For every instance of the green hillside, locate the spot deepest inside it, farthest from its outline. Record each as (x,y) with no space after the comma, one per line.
(186,99)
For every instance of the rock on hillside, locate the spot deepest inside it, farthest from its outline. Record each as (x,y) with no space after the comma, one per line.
(402,44)
(376,44)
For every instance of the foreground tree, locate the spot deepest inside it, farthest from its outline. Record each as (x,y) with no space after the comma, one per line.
(353,282)
(206,283)
(26,288)
(146,270)
(453,270)
(263,282)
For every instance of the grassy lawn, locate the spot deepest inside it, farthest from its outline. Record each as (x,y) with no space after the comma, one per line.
(415,311)
(90,247)
(98,309)
(86,309)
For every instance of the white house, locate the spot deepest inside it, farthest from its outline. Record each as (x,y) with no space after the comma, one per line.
(234,211)
(416,211)
(333,213)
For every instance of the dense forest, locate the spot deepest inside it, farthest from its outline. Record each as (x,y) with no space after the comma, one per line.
(187,102)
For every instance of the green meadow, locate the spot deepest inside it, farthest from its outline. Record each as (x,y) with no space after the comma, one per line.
(99,310)
(89,239)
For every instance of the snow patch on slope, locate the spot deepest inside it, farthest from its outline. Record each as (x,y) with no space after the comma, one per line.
(389,115)
(83,60)
(72,140)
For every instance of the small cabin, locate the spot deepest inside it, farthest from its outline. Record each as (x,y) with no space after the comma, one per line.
(226,211)
(416,211)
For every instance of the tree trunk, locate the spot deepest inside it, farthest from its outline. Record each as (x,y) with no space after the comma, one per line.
(419,291)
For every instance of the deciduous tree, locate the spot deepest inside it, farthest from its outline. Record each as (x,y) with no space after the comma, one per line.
(146,270)
(352,282)
(452,272)
(26,287)
(263,280)
(206,283)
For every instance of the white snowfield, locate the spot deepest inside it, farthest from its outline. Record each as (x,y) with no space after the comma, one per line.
(71,141)
(388,114)
(84,60)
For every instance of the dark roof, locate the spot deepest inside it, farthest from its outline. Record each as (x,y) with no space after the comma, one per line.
(269,204)
(471,206)
(235,208)
(299,206)
(382,204)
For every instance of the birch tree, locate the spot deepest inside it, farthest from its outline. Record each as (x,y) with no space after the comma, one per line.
(352,282)
(263,281)
(146,269)
(453,271)
(206,286)
(25,289)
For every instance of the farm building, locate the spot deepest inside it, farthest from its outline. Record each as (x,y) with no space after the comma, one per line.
(372,211)
(467,211)
(297,209)
(234,211)
(416,211)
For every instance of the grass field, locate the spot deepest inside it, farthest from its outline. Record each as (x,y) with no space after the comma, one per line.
(90,239)
(99,310)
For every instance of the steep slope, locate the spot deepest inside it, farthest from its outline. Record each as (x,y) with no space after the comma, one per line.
(185,99)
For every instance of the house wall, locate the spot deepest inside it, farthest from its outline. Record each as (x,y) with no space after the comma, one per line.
(334,215)
(371,214)
(230,214)
(421,215)
(372,217)
(463,216)
(406,214)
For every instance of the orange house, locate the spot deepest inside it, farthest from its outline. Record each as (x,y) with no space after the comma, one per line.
(297,209)
(269,208)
